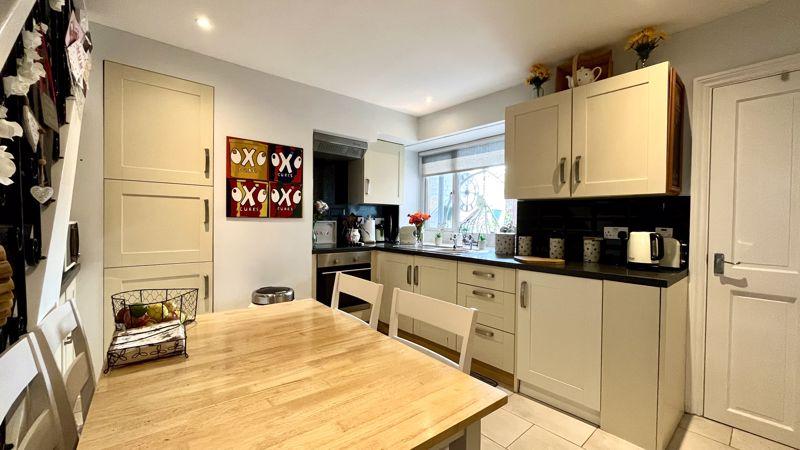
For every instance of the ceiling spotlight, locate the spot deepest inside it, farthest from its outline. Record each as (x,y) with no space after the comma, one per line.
(429,99)
(203,22)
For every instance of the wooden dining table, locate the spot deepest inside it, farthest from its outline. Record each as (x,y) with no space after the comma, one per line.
(289,375)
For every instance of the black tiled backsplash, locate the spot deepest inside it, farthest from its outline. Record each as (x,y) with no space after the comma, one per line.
(573,219)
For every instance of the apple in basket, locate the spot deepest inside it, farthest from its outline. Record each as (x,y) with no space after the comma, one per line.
(158,311)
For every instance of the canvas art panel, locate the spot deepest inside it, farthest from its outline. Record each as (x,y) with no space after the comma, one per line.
(286,200)
(286,164)
(247,159)
(247,198)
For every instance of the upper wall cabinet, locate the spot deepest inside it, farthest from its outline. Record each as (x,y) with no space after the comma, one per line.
(625,138)
(167,134)
(538,150)
(378,177)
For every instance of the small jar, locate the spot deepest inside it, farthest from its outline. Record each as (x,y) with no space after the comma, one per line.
(525,245)
(504,244)
(591,249)
(557,247)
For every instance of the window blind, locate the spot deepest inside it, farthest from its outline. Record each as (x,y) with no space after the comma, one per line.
(478,154)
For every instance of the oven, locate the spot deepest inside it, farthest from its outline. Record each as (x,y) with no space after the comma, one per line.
(355,263)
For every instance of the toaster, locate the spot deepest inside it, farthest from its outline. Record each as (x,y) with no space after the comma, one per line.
(673,255)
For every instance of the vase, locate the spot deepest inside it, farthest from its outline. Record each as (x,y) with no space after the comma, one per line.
(537,90)
(643,52)
(419,234)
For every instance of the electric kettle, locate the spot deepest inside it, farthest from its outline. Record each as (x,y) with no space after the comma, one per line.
(645,248)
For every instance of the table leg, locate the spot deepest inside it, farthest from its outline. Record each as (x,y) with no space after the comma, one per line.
(470,440)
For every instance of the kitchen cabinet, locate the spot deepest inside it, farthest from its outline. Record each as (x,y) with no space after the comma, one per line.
(538,147)
(436,278)
(157,223)
(644,361)
(559,329)
(121,279)
(377,178)
(620,136)
(395,270)
(157,127)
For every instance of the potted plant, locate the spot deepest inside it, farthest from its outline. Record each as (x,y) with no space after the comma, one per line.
(481,242)
(437,238)
(418,219)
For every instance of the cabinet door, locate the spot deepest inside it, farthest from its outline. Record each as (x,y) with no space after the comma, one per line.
(559,335)
(194,275)
(395,271)
(538,143)
(156,223)
(437,278)
(619,134)
(378,178)
(157,127)
(496,309)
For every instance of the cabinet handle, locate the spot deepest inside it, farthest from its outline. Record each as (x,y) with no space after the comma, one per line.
(577,169)
(483,332)
(487,275)
(68,339)
(206,210)
(561,170)
(207,170)
(205,287)
(366,186)
(483,294)
(523,293)
(416,275)
(408,275)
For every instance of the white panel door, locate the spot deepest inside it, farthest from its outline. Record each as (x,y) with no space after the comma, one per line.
(559,328)
(619,134)
(437,278)
(157,127)
(156,223)
(395,271)
(753,331)
(192,275)
(538,147)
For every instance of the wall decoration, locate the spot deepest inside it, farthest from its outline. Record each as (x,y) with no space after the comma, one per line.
(247,198)
(247,159)
(286,164)
(286,200)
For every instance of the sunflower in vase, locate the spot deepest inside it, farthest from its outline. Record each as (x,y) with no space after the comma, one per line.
(643,42)
(539,74)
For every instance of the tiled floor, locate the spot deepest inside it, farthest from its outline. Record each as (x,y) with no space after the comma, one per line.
(527,424)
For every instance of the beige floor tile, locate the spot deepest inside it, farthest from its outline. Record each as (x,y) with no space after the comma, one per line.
(488,444)
(706,427)
(746,441)
(686,440)
(503,427)
(600,440)
(537,438)
(553,420)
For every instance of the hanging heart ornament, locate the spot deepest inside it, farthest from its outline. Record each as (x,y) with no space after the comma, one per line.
(42,193)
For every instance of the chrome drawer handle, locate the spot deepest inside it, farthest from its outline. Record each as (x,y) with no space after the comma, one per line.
(577,169)
(483,294)
(487,275)
(483,332)
(207,169)
(561,176)
(523,293)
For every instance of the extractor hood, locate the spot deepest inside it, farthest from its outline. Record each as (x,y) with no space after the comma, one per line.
(330,146)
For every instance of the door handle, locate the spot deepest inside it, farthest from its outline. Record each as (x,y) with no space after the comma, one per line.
(408,275)
(206,210)
(719,263)
(207,170)
(523,292)
(483,294)
(483,332)
(561,170)
(577,169)
(205,286)
(366,186)
(487,275)
(416,275)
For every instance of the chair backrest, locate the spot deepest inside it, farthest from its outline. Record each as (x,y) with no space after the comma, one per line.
(26,398)
(78,380)
(447,316)
(362,289)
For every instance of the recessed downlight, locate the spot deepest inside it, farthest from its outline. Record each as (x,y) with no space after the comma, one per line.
(429,99)
(203,22)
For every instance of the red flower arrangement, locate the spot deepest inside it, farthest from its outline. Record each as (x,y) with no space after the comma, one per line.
(418,218)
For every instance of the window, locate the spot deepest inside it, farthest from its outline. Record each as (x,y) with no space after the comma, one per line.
(464,187)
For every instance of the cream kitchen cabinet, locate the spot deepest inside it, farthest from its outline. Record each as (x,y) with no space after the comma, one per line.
(538,147)
(559,329)
(394,270)
(617,136)
(157,127)
(377,178)
(157,223)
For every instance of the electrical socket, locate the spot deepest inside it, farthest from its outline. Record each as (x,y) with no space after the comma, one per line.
(664,231)
(613,232)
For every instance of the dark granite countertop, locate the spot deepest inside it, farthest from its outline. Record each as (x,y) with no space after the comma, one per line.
(646,277)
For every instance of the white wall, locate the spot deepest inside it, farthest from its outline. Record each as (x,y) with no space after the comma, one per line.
(248,253)
(757,34)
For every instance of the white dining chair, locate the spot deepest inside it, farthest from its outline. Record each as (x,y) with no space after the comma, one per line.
(27,401)
(363,290)
(78,380)
(447,316)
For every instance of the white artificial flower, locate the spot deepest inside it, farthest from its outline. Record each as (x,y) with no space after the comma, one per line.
(31,39)
(57,4)
(8,129)
(14,85)
(7,166)
(30,70)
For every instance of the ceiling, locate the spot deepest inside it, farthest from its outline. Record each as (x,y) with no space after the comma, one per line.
(414,56)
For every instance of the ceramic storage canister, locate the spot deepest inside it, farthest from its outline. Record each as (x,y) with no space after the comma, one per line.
(525,245)
(504,244)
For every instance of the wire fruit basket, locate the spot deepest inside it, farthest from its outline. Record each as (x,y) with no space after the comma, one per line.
(150,324)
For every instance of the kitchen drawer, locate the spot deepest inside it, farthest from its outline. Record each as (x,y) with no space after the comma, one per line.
(490,277)
(493,347)
(496,309)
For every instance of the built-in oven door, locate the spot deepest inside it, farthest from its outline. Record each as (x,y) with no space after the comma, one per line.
(326,277)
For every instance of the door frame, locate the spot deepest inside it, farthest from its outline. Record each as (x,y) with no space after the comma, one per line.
(698,223)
